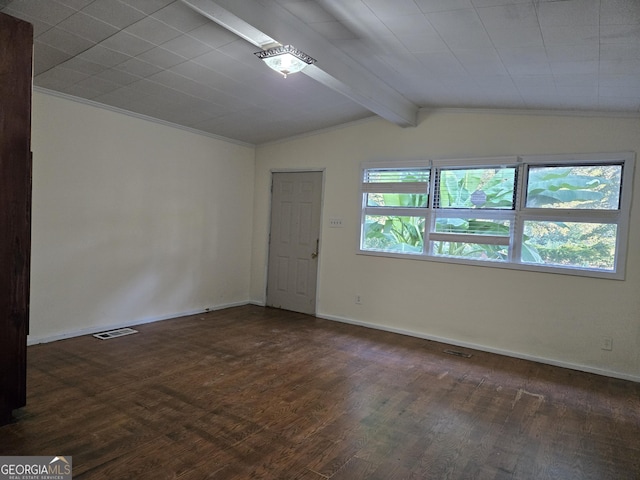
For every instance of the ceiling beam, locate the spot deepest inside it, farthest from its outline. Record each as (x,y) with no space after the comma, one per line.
(264,22)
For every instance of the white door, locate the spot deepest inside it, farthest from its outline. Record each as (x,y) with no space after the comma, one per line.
(296,198)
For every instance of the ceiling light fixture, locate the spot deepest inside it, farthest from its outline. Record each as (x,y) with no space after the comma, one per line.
(285,59)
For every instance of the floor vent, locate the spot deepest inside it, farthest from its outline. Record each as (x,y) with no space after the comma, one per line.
(457,353)
(115,333)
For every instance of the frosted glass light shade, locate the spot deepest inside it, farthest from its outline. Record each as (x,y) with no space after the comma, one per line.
(285,59)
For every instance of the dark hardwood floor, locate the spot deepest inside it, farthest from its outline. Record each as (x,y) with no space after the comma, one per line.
(251,393)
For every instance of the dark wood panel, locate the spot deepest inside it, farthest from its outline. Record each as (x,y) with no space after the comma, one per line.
(251,392)
(16,39)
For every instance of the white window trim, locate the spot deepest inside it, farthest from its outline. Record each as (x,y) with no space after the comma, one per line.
(517,217)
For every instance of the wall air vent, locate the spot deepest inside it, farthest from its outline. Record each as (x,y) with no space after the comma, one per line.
(115,333)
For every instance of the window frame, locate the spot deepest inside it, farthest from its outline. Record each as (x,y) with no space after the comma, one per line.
(516,216)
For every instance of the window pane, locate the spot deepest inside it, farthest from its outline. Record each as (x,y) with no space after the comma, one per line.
(395,175)
(473,226)
(583,187)
(476,188)
(474,251)
(392,233)
(396,200)
(584,245)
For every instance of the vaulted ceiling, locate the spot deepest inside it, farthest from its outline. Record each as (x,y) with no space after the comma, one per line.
(191,62)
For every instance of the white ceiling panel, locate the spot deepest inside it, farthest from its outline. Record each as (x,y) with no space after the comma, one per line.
(65,41)
(164,59)
(114,13)
(88,27)
(568,13)
(180,17)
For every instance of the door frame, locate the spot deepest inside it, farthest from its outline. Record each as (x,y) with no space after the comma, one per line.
(270,190)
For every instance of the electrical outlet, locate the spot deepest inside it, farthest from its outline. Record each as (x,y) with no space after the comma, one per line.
(607,343)
(358,300)
(335,222)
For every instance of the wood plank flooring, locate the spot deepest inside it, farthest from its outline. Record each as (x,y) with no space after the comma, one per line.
(250,393)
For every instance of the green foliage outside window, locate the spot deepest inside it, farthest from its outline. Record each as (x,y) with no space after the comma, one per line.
(571,187)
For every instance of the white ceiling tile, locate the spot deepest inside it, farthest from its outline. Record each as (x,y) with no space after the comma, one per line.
(103,56)
(590,92)
(147,6)
(571,35)
(619,51)
(572,80)
(443,5)
(135,66)
(333,31)
(356,15)
(460,29)
(83,66)
(573,53)
(569,13)
(75,4)
(309,11)
(213,35)
(161,58)
(118,77)
(481,62)
(494,81)
(521,15)
(574,68)
(618,80)
(127,43)
(384,8)
(441,64)
(114,13)
(514,37)
(46,57)
(493,3)
(620,67)
(153,31)
(535,54)
(87,27)
(199,73)
(409,24)
(528,64)
(625,34)
(65,41)
(181,17)
(423,43)
(619,12)
(407,64)
(186,46)
(59,78)
(618,91)
(524,82)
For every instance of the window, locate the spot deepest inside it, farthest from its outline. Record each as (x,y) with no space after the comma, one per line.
(562,213)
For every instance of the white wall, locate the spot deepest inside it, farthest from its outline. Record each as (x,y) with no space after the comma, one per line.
(557,318)
(132,221)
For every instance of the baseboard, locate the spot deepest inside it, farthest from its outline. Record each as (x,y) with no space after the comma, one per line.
(33,340)
(483,348)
